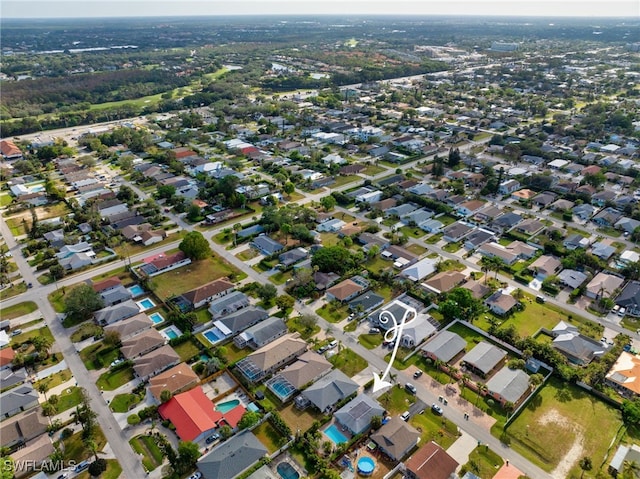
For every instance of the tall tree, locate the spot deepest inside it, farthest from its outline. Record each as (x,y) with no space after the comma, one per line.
(82,301)
(195,246)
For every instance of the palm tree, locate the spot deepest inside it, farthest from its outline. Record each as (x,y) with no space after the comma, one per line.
(453,371)
(43,387)
(237,227)
(438,364)
(585,464)
(41,344)
(93,447)
(630,470)
(482,388)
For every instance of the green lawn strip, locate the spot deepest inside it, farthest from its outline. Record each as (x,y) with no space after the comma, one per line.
(112,380)
(281,277)
(28,336)
(114,469)
(5,199)
(99,355)
(451,247)
(54,380)
(269,437)
(348,362)
(187,350)
(13,290)
(247,254)
(68,399)
(372,170)
(294,325)
(85,331)
(435,428)
(332,314)
(469,335)
(18,310)
(483,462)
(203,315)
(551,418)
(124,402)
(345,180)
(451,265)
(75,446)
(412,232)
(142,445)
(370,341)
(433,239)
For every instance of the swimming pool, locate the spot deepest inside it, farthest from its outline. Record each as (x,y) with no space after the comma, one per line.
(136,290)
(145,304)
(333,433)
(212,336)
(227,406)
(171,332)
(366,465)
(287,471)
(37,188)
(156,318)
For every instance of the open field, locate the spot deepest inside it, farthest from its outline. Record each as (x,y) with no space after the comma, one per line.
(189,277)
(18,310)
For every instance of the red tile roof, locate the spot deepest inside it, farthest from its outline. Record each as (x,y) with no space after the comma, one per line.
(168,260)
(431,462)
(232,418)
(191,412)
(106,284)
(9,148)
(6,356)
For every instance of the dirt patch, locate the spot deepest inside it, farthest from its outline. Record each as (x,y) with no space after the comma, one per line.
(575,451)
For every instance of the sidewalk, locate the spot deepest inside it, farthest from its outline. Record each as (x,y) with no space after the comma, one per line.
(16,322)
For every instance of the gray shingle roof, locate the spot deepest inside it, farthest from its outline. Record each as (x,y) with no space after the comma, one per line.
(356,414)
(232,457)
(332,388)
(484,356)
(511,384)
(445,346)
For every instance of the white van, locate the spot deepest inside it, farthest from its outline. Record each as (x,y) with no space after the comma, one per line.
(332,344)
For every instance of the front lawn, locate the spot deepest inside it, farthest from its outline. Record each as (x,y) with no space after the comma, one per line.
(112,380)
(281,277)
(55,379)
(396,400)
(305,332)
(452,247)
(483,462)
(416,249)
(125,402)
(193,275)
(348,362)
(247,254)
(435,428)
(147,447)
(13,290)
(412,232)
(18,310)
(29,335)
(75,446)
(99,355)
(69,398)
(370,341)
(332,314)
(86,331)
(114,469)
(563,415)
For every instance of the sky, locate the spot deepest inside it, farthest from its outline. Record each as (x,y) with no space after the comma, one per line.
(143,8)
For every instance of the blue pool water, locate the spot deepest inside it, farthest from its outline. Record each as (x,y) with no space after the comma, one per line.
(204,357)
(227,405)
(287,471)
(211,336)
(333,433)
(145,304)
(156,318)
(171,334)
(136,290)
(37,188)
(366,465)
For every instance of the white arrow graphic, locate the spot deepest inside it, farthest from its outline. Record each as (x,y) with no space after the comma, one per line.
(392,333)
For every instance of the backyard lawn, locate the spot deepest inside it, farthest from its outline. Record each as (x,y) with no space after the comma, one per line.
(189,277)
(567,417)
(270,437)
(188,349)
(112,380)
(370,341)
(297,419)
(348,362)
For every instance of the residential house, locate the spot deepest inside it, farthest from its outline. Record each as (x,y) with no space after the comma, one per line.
(401,256)
(261,334)
(523,195)
(501,303)
(398,308)
(161,263)
(232,457)
(488,214)
(420,270)
(624,375)
(505,222)
(266,245)
(344,291)
(583,211)
(128,328)
(508,187)
(444,282)
(272,357)
(10,377)
(430,462)
(238,321)
(477,238)
(6,358)
(116,295)
(509,386)
(602,197)
(324,280)
(356,415)
(478,290)
(155,362)
(55,238)
(76,261)
(331,226)
(415,332)
(71,249)
(455,232)
(444,346)
(628,257)
(629,298)
(177,379)
(628,225)
(17,400)
(396,438)
(431,226)
(562,205)
(227,304)
(9,150)
(544,199)
(368,240)
(328,391)
(105,285)
(469,208)
(417,217)
(484,359)
(625,454)
(495,250)
(545,266)
(577,348)
(576,241)
(603,250)
(571,278)
(308,368)
(603,285)
(366,302)
(206,293)
(141,344)
(36,454)
(530,227)
(293,256)
(194,417)
(115,313)
(607,217)
(22,428)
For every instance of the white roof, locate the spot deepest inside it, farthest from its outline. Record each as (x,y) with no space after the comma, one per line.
(558,163)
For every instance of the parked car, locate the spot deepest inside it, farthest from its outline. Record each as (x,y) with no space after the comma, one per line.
(417,374)
(615,309)
(410,388)
(374,331)
(81,466)
(437,409)
(15,332)
(621,311)
(214,437)
(116,362)
(332,344)
(322,349)
(405,416)
(196,475)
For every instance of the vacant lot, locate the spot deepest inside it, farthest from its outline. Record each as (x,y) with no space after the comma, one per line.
(18,310)
(576,423)
(191,276)
(348,362)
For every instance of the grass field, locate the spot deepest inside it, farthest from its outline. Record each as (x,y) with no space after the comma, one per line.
(370,341)
(333,315)
(85,331)
(562,414)
(13,290)
(5,199)
(297,419)
(29,335)
(188,349)
(128,249)
(305,333)
(18,310)
(75,448)
(112,380)
(69,398)
(55,379)
(193,275)
(270,437)
(483,462)
(348,362)
(99,355)
(416,249)
(372,170)
(147,447)
(124,402)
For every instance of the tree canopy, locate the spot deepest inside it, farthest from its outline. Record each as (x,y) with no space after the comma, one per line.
(82,301)
(333,259)
(195,246)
